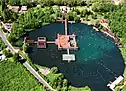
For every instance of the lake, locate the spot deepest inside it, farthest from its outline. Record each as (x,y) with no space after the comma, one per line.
(98,59)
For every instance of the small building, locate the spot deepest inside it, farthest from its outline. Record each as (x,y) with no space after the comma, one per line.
(18,8)
(2,57)
(41,42)
(112,85)
(14,8)
(69,57)
(64,8)
(24,8)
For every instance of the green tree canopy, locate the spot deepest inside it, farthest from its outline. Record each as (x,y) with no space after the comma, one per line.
(16,57)
(7,53)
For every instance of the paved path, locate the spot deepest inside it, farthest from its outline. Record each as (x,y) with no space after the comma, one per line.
(36,75)
(3,37)
(26,64)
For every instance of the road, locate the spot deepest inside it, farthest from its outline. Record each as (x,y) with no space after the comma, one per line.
(36,75)
(26,64)
(3,37)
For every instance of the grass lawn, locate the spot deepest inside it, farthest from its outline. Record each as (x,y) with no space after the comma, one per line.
(124,88)
(14,77)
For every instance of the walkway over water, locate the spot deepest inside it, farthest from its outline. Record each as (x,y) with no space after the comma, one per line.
(98,59)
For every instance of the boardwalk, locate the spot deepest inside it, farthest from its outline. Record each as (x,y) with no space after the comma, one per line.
(66,27)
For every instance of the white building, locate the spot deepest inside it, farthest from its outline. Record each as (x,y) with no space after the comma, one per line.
(24,8)
(112,85)
(64,8)
(2,57)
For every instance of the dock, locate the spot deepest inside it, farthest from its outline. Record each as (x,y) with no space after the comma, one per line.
(112,85)
(66,29)
(64,42)
(60,20)
(69,57)
(107,31)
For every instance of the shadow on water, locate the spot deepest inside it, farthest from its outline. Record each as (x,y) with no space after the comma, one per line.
(97,62)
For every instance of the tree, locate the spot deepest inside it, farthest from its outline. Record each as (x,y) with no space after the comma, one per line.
(54,70)
(94,16)
(123,1)
(1,7)
(13,76)
(77,11)
(86,88)
(117,21)
(14,2)
(2,45)
(18,43)
(45,2)
(25,47)
(16,57)
(84,13)
(23,2)
(65,83)
(7,53)
(57,2)
(14,16)
(95,6)
(9,15)
(77,19)
(12,37)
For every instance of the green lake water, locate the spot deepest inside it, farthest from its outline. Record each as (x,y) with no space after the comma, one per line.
(98,59)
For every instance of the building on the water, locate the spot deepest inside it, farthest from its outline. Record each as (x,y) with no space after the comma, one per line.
(112,85)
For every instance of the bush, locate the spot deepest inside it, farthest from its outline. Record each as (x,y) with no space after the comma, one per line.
(25,47)
(16,57)
(7,53)
(2,45)
(77,19)
(14,77)
(54,70)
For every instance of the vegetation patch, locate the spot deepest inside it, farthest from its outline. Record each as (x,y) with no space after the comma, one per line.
(14,77)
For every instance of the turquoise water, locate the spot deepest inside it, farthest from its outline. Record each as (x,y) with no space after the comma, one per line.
(98,59)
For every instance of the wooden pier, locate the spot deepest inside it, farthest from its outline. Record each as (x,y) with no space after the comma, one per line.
(66,27)
(63,41)
(50,42)
(108,32)
(61,20)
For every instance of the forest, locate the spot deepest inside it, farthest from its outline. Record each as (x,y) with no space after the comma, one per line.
(34,18)
(14,77)
(45,2)
(117,21)
(58,81)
